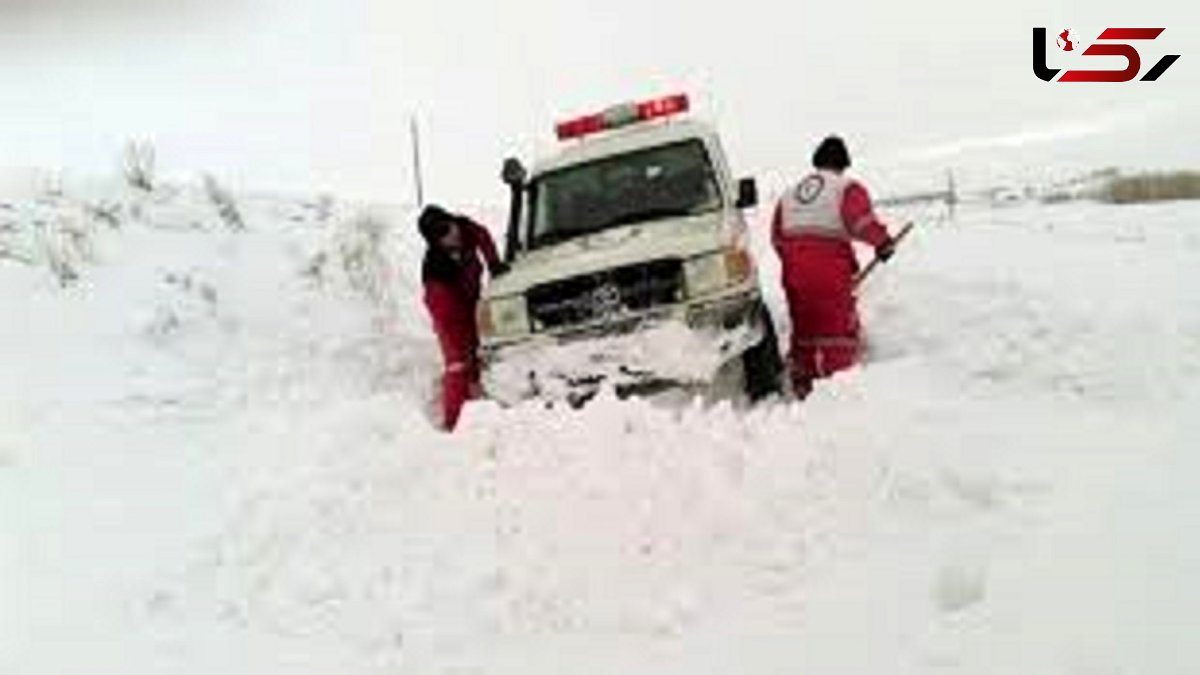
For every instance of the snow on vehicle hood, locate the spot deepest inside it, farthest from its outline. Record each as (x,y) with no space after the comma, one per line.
(670,351)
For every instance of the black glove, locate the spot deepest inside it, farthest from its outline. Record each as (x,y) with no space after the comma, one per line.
(886,250)
(500,269)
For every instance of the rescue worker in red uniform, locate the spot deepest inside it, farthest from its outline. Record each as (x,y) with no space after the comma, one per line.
(458,249)
(812,230)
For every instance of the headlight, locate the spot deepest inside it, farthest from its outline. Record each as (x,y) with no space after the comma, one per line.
(503,317)
(712,272)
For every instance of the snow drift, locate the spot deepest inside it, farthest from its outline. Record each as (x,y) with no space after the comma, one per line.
(216,456)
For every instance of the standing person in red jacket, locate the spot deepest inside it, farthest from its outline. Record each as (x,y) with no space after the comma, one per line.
(812,230)
(451,273)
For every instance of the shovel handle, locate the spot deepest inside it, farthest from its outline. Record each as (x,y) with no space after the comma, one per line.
(866,271)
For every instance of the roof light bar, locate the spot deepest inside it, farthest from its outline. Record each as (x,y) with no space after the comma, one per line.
(622,115)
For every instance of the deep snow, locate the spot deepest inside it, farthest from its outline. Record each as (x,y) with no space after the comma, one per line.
(216,456)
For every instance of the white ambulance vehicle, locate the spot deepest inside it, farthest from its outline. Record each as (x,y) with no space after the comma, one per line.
(633,230)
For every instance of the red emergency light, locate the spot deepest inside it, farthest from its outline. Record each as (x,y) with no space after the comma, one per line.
(622,115)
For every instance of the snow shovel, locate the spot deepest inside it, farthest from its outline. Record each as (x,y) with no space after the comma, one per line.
(866,271)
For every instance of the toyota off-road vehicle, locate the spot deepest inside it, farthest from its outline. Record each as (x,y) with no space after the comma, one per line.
(628,265)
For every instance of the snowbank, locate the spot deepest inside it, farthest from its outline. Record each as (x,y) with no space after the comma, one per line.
(215,456)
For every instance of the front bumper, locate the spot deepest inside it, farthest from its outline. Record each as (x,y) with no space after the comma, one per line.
(726,310)
(672,344)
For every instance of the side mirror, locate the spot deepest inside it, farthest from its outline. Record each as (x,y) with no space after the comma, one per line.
(513,173)
(747,193)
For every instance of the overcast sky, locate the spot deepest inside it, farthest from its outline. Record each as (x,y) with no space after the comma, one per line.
(307,95)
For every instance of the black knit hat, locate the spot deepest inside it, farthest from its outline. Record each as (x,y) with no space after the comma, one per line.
(831,154)
(434,221)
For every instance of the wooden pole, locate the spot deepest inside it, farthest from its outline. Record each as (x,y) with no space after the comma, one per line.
(418,178)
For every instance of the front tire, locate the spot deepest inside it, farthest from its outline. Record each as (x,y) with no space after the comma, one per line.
(762,365)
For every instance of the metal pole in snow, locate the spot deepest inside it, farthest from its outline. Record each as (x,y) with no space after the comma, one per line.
(951,192)
(418,179)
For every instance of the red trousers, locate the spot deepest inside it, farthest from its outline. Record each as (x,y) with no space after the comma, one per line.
(460,383)
(818,281)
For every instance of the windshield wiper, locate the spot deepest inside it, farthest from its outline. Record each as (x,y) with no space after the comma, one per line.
(556,236)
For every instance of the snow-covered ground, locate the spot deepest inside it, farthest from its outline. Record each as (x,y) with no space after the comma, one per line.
(216,456)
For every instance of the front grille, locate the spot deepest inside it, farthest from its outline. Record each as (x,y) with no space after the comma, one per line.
(608,295)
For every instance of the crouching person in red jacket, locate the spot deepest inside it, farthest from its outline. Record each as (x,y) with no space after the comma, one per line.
(812,230)
(451,273)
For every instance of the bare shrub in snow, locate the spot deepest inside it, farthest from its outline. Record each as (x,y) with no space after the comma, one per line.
(163,324)
(106,212)
(367,268)
(191,286)
(1149,187)
(319,210)
(7,249)
(189,302)
(138,165)
(7,253)
(324,208)
(314,270)
(223,199)
(65,247)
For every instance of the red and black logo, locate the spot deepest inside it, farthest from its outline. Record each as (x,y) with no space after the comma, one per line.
(1105,45)
(810,188)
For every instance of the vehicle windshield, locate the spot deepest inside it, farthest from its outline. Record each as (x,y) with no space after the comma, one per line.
(666,181)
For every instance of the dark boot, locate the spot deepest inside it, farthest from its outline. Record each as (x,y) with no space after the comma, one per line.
(802,386)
